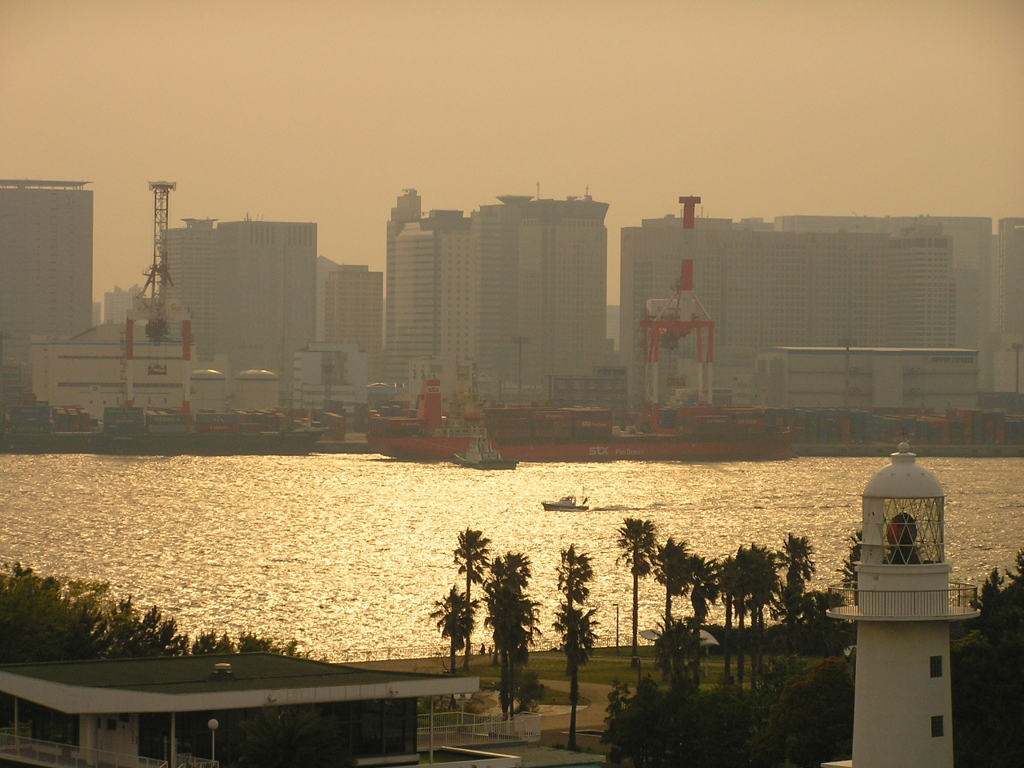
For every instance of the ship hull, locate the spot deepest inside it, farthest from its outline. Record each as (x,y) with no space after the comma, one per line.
(297,443)
(625,448)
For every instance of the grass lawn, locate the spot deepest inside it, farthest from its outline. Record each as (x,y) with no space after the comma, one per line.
(605,667)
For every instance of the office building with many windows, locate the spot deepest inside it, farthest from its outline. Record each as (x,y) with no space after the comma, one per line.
(45,261)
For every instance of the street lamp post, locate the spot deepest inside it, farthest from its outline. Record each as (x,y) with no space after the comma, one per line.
(1016,370)
(213,725)
(519,341)
(847,342)
(616,628)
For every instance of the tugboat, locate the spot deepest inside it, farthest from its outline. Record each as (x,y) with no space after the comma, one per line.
(480,455)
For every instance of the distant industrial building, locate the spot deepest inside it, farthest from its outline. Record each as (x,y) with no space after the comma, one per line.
(45,261)
(351,310)
(859,377)
(328,374)
(92,370)
(607,387)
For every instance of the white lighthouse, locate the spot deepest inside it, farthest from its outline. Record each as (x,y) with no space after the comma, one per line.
(903,603)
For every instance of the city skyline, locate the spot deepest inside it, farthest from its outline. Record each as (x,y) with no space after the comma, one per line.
(327,113)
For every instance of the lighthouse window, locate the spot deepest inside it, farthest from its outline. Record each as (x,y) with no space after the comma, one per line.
(936,666)
(936,726)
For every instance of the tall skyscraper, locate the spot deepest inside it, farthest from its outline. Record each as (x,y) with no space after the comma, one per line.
(45,261)
(353,309)
(921,304)
(562,286)
(193,262)
(524,274)
(433,278)
(266,298)
(251,289)
(1010,277)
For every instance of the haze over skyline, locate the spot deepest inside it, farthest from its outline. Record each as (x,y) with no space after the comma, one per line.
(324,112)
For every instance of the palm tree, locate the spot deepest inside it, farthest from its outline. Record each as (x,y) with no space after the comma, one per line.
(292,738)
(574,574)
(672,648)
(739,582)
(671,571)
(796,559)
(727,581)
(637,542)
(513,618)
(762,585)
(472,556)
(576,627)
(704,590)
(454,617)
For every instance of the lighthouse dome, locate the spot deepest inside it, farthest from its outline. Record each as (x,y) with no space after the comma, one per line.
(904,478)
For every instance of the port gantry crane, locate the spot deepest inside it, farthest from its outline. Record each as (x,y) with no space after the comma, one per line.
(155,305)
(664,328)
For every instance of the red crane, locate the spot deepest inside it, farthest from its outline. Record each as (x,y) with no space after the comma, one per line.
(666,327)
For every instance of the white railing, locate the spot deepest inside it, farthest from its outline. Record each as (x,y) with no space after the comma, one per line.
(185,760)
(461,728)
(37,752)
(847,601)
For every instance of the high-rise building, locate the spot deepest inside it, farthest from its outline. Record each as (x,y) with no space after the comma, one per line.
(1010,277)
(192,259)
(251,289)
(562,286)
(433,284)
(921,302)
(495,230)
(762,288)
(117,302)
(45,261)
(266,297)
(353,312)
(973,267)
(524,277)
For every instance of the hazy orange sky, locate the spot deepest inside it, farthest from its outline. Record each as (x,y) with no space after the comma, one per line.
(325,111)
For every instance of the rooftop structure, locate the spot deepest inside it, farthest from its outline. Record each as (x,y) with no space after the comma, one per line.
(157,711)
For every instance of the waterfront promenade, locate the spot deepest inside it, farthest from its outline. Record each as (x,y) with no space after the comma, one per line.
(554,717)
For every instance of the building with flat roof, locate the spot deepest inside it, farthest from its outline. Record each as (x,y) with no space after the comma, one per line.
(867,377)
(156,712)
(45,261)
(351,310)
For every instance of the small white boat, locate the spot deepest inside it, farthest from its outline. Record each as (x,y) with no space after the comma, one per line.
(566,504)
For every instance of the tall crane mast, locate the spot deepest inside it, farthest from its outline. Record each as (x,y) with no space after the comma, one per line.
(157,307)
(665,327)
(158,278)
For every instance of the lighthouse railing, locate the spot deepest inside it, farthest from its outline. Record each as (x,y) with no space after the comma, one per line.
(847,601)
